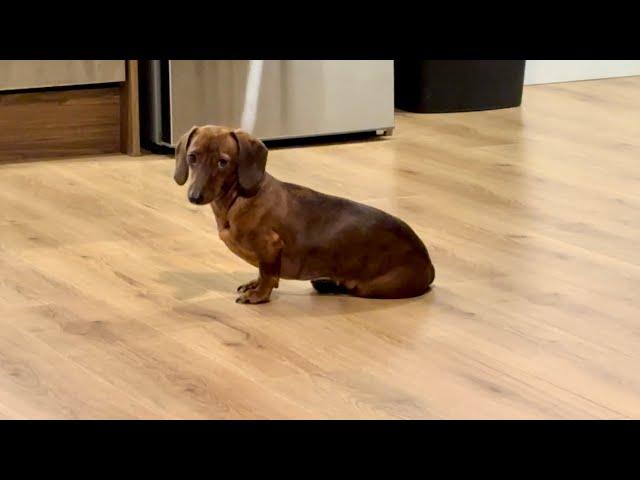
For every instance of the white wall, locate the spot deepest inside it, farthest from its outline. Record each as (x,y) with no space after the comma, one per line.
(550,71)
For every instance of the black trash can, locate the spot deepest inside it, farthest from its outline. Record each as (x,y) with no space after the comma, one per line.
(441,86)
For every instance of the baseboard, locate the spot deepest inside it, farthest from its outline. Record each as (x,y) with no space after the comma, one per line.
(59,123)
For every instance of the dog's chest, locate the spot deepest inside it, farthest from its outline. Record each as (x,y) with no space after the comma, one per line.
(235,244)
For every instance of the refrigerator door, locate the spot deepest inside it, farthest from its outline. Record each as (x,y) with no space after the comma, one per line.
(298,98)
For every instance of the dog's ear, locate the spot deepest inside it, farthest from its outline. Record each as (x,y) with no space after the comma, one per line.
(181,173)
(252,160)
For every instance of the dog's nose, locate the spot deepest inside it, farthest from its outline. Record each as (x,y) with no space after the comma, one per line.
(195,198)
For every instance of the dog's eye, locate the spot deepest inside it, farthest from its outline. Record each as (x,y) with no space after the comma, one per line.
(222,163)
(191,158)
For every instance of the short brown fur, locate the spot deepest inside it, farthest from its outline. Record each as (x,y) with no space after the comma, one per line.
(292,232)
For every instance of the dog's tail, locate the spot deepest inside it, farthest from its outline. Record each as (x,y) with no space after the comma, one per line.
(325,285)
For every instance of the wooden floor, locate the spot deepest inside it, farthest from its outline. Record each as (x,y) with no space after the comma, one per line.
(117,297)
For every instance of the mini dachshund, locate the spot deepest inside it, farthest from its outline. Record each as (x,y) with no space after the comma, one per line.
(292,232)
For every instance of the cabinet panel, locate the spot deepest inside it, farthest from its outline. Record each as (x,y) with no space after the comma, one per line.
(25,74)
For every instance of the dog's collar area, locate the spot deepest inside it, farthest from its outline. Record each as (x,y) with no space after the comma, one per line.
(248,193)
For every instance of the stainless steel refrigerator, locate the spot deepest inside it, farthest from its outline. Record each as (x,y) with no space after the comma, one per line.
(297,98)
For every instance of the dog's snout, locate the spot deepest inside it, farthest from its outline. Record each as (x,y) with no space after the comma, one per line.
(196,198)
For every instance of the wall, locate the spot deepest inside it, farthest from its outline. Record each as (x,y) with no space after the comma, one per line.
(550,71)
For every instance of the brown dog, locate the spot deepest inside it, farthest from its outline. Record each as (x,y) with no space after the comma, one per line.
(289,231)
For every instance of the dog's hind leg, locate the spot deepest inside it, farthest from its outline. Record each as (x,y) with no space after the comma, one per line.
(403,282)
(326,285)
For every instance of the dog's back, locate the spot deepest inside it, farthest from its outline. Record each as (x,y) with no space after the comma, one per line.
(345,240)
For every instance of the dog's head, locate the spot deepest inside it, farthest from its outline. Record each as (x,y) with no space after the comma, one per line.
(218,158)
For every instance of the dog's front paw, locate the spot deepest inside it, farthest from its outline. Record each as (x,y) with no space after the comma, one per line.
(247,286)
(252,297)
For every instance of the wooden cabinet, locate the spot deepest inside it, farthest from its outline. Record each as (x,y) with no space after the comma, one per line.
(95,113)
(28,74)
